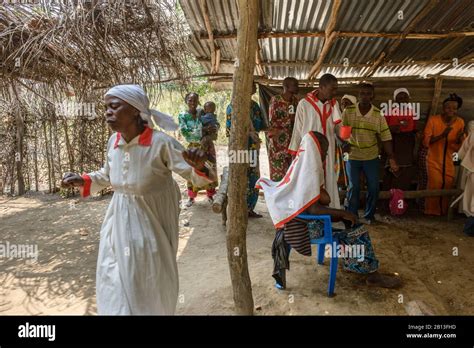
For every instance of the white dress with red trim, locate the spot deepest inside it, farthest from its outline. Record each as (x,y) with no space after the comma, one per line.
(300,187)
(313,115)
(137,271)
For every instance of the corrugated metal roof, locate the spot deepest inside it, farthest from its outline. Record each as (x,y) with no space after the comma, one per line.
(354,16)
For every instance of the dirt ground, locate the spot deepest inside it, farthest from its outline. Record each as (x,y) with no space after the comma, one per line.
(66,231)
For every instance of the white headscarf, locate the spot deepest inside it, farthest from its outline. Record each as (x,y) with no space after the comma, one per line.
(400,90)
(350,97)
(136,97)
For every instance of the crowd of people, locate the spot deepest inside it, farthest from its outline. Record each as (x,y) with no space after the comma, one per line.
(362,146)
(316,146)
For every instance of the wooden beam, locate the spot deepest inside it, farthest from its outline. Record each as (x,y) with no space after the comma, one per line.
(325,65)
(464,59)
(413,194)
(215,53)
(238,181)
(329,37)
(270,81)
(258,62)
(344,34)
(394,45)
(436,94)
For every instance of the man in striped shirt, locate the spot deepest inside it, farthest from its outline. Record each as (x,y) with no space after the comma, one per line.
(368,124)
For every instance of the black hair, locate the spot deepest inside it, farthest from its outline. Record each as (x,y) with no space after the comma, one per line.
(289,78)
(209,103)
(326,79)
(367,85)
(190,94)
(453,97)
(322,139)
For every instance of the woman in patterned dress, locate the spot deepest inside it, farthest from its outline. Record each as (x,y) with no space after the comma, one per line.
(281,120)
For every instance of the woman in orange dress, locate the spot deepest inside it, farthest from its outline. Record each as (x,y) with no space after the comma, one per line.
(443,136)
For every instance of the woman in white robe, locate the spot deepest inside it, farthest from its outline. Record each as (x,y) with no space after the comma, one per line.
(466,154)
(137,272)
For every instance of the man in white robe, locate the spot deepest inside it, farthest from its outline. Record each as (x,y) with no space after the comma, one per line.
(320,112)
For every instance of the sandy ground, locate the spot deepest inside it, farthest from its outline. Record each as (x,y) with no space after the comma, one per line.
(66,232)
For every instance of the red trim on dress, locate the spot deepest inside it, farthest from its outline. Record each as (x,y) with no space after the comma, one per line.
(117,139)
(337,121)
(323,117)
(291,152)
(198,172)
(86,189)
(299,211)
(145,137)
(316,141)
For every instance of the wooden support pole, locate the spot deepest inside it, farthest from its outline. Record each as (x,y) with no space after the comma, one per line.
(436,95)
(238,181)
(258,62)
(345,34)
(413,194)
(215,51)
(20,132)
(325,50)
(330,36)
(221,194)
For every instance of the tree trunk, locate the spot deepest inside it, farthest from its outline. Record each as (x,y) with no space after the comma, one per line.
(238,214)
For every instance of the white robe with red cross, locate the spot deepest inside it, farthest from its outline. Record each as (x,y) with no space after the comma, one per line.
(300,187)
(313,115)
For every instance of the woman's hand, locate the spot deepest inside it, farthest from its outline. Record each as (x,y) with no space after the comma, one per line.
(446,131)
(72,180)
(324,198)
(459,136)
(393,165)
(195,158)
(347,215)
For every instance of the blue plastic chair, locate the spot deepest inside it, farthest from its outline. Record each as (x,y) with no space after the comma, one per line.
(327,238)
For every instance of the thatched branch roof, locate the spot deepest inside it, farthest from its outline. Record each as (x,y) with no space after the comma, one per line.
(83,44)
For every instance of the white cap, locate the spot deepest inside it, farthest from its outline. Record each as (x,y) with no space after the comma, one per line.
(350,97)
(400,90)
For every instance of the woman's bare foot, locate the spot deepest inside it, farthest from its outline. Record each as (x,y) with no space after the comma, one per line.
(253,214)
(383,281)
